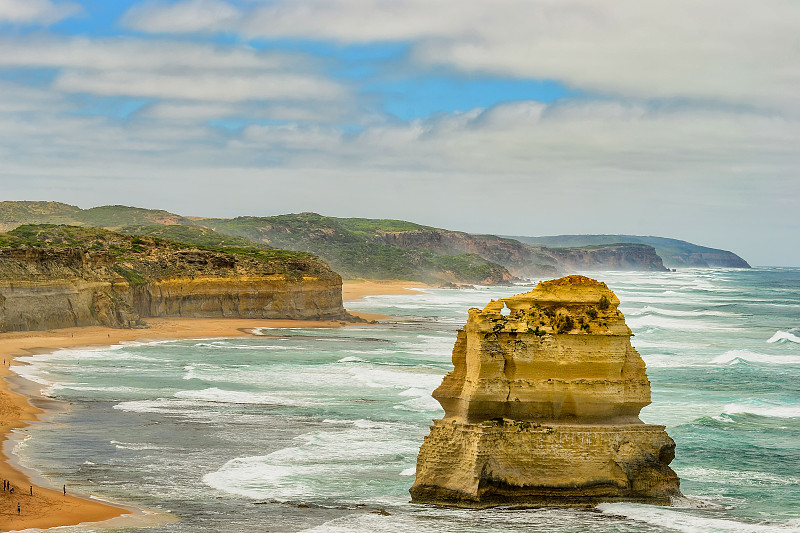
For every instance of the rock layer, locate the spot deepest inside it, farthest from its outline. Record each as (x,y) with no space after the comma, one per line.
(542,408)
(46,288)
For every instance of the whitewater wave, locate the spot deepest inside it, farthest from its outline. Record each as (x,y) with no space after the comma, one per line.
(762,409)
(652,310)
(136,446)
(735,477)
(676,519)
(87,388)
(736,356)
(351,359)
(423,403)
(324,464)
(216,395)
(781,336)
(660,322)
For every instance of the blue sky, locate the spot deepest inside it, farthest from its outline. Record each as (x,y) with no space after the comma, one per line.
(518,117)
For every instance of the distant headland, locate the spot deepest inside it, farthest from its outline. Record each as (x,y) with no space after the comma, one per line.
(385,248)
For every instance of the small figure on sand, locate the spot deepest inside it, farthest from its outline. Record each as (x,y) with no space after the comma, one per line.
(65,490)
(19,509)
(31,490)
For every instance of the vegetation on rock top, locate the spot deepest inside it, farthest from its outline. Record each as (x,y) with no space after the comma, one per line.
(386,248)
(141,257)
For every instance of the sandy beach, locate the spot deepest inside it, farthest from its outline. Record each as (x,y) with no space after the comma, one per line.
(49,506)
(357,289)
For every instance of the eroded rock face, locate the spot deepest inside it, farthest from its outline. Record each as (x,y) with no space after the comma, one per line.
(542,408)
(56,288)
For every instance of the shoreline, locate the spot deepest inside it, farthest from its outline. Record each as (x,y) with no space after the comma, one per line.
(49,507)
(357,289)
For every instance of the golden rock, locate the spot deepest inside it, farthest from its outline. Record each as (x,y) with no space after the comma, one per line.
(542,408)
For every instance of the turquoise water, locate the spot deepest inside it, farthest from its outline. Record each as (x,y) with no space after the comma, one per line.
(318,430)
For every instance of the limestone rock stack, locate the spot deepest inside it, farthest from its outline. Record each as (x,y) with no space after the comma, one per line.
(542,408)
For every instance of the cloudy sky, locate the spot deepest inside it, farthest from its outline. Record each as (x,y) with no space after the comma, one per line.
(678,118)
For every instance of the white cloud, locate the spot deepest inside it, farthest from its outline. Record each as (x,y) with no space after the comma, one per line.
(185,17)
(721,178)
(696,129)
(35,11)
(140,54)
(173,70)
(737,51)
(226,87)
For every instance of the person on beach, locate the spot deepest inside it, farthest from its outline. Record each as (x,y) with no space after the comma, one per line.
(31,490)
(19,509)
(65,490)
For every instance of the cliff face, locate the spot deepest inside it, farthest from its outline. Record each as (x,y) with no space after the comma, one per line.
(44,288)
(355,248)
(609,257)
(710,259)
(526,261)
(542,408)
(674,252)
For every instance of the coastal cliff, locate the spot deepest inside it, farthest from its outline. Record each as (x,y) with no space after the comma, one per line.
(527,261)
(391,249)
(674,253)
(621,256)
(117,280)
(542,408)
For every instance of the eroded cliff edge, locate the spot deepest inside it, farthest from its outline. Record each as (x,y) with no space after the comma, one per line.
(542,408)
(80,277)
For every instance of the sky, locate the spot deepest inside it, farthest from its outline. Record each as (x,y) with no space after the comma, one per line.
(676,118)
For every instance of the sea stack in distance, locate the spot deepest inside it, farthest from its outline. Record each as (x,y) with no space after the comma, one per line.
(542,408)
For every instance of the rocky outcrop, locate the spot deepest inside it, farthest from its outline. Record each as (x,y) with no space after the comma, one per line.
(675,253)
(709,259)
(527,261)
(542,408)
(46,288)
(608,257)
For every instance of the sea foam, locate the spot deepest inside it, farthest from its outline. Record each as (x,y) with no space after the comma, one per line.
(781,336)
(324,466)
(734,477)
(680,520)
(735,356)
(763,409)
(652,310)
(216,395)
(656,321)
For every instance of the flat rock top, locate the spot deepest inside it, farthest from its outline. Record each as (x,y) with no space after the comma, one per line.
(567,290)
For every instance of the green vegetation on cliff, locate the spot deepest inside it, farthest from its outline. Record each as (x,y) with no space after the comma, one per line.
(13,214)
(137,253)
(387,248)
(194,235)
(54,276)
(354,248)
(107,216)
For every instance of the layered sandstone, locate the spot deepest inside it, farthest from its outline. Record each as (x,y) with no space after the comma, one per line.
(46,288)
(542,408)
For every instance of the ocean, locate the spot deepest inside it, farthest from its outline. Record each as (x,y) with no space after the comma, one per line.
(317,430)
